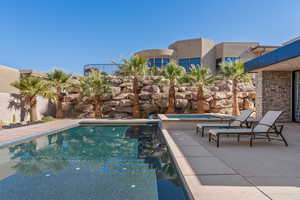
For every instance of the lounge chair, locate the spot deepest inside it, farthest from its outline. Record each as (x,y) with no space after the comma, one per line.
(236,123)
(265,129)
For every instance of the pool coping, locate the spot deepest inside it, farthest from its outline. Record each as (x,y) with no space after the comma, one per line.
(39,134)
(222,117)
(175,152)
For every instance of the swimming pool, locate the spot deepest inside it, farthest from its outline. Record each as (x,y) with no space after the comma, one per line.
(91,162)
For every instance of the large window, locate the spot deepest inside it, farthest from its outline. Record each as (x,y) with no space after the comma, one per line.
(187,63)
(231,59)
(158,62)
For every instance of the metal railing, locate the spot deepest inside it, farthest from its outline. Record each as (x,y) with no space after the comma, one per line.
(107,68)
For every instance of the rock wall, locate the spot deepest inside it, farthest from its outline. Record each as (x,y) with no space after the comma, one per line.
(154,99)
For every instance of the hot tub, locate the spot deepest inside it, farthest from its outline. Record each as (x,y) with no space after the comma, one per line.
(189,121)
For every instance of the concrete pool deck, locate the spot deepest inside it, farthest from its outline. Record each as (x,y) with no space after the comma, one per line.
(233,171)
(237,171)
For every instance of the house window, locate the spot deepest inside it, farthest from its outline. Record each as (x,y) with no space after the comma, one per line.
(231,59)
(187,63)
(166,61)
(158,62)
(150,62)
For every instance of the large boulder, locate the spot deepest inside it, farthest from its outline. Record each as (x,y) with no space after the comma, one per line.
(151,88)
(145,96)
(180,95)
(222,95)
(115,91)
(125,102)
(181,103)
(223,103)
(125,109)
(121,96)
(206,106)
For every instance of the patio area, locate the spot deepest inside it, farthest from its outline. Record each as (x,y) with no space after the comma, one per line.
(237,171)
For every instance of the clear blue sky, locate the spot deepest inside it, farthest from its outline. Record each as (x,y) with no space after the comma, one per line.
(68,34)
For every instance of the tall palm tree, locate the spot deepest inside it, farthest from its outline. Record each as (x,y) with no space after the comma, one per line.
(173,74)
(30,87)
(202,77)
(137,68)
(60,81)
(235,72)
(95,87)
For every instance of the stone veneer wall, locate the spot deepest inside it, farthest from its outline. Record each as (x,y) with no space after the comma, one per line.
(274,92)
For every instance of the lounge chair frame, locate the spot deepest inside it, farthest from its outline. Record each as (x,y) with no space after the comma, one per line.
(274,132)
(242,123)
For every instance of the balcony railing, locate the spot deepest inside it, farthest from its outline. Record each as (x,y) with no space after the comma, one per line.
(107,68)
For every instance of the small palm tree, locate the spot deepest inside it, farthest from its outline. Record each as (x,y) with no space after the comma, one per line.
(173,74)
(95,87)
(136,67)
(60,81)
(235,72)
(30,87)
(202,77)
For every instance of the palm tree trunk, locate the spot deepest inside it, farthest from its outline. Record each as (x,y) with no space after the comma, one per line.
(136,101)
(235,103)
(172,99)
(200,106)
(59,109)
(98,109)
(33,109)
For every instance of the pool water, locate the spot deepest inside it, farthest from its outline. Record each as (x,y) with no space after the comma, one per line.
(191,117)
(91,162)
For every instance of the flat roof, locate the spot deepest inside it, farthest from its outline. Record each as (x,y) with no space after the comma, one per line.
(281,54)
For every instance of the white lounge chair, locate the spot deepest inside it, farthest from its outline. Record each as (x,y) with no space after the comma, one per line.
(265,129)
(236,123)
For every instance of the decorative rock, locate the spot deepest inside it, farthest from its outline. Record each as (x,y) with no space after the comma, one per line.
(145,96)
(127,109)
(121,96)
(222,95)
(115,91)
(180,95)
(125,102)
(181,103)
(152,89)
(181,89)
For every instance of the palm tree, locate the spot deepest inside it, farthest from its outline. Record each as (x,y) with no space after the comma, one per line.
(174,74)
(30,87)
(137,68)
(235,72)
(60,81)
(202,77)
(95,87)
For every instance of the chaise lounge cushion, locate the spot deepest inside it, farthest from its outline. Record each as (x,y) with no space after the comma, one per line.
(229,131)
(201,125)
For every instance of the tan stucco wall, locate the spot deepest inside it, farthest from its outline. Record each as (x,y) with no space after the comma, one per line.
(187,48)
(208,58)
(233,49)
(155,53)
(8,75)
(10,105)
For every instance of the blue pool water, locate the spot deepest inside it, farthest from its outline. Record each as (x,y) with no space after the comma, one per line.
(91,162)
(191,116)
